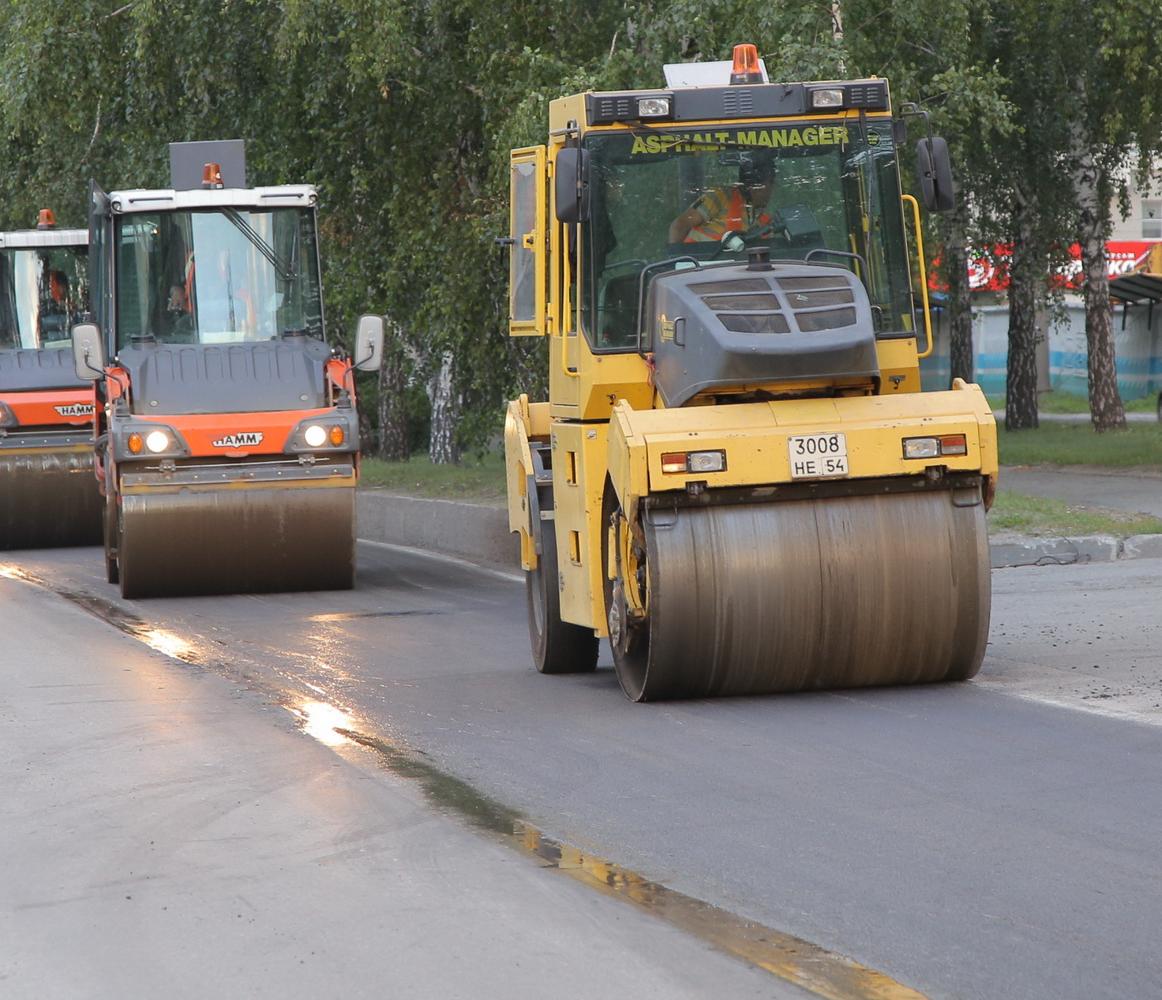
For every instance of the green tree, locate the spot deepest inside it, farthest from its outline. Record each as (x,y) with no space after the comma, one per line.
(1114,100)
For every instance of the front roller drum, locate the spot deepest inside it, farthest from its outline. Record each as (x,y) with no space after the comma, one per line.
(49,498)
(805,594)
(236,541)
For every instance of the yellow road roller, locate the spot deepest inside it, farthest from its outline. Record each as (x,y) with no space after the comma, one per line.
(227,443)
(47,492)
(736,477)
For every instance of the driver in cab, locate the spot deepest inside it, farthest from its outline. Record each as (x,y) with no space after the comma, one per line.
(741,208)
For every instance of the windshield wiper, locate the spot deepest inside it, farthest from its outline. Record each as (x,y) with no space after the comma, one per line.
(284,269)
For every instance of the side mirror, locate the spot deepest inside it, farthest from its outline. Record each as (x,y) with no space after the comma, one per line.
(88,352)
(571,185)
(934,169)
(369,343)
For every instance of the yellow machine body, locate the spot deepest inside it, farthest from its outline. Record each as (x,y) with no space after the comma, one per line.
(669,559)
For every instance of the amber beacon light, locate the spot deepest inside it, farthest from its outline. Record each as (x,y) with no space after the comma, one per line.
(746,65)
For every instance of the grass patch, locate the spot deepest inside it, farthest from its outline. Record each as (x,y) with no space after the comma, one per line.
(474,479)
(1063,402)
(1037,516)
(1138,446)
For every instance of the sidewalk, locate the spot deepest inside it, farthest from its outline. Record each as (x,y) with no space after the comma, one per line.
(170,834)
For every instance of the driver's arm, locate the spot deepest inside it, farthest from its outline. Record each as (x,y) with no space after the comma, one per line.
(681,226)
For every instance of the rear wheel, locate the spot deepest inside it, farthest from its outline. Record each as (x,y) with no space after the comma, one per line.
(128,581)
(109,525)
(558,647)
(629,634)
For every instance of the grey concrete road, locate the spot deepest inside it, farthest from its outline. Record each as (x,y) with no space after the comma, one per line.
(965,841)
(1088,487)
(169,834)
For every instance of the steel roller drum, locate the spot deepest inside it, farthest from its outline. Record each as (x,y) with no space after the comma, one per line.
(809,594)
(49,498)
(237,541)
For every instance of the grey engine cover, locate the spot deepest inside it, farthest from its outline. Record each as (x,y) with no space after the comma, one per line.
(227,378)
(48,368)
(728,327)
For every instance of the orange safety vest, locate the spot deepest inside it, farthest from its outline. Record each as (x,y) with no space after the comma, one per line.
(726,212)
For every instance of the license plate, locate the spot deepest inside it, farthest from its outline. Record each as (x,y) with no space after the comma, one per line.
(818,456)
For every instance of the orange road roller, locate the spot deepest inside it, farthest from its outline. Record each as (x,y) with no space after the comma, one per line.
(227,437)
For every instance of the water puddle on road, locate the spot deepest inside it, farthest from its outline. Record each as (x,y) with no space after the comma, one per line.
(347,616)
(162,640)
(326,723)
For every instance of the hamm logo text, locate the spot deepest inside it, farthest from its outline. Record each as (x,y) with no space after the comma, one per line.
(245,439)
(75,410)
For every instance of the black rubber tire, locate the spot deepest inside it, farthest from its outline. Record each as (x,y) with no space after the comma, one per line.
(558,647)
(109,528)
(629,657)
(128,590)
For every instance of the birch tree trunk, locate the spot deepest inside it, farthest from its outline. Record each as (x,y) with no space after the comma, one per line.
(1025,270)
(959,300)
(1105,402)
(442,449)
(393,417)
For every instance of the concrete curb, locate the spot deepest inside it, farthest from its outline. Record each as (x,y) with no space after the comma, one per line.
(479,532)
(1007,549)
(474,531)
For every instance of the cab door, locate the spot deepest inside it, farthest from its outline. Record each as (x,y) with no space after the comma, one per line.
(101,264)
(528,265)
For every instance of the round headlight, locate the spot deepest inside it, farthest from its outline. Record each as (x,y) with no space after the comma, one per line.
(315,436)
(157,441)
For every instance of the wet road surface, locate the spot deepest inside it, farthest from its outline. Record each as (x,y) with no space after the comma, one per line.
(964,841)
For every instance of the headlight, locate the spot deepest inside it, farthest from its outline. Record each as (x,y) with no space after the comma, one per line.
(329,432)
(141,440)
(827,98)
(653,107)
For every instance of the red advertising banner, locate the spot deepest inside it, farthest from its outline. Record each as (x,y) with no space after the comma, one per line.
(989,272)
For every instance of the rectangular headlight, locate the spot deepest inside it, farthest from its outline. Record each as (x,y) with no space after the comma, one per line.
(706,461)
(653,107)
(827,98)
(921,447)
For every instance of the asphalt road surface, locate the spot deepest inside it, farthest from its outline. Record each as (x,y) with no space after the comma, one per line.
(992,839)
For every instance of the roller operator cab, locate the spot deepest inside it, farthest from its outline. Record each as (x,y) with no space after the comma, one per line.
(227,434)
(47,492)
(736,477)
